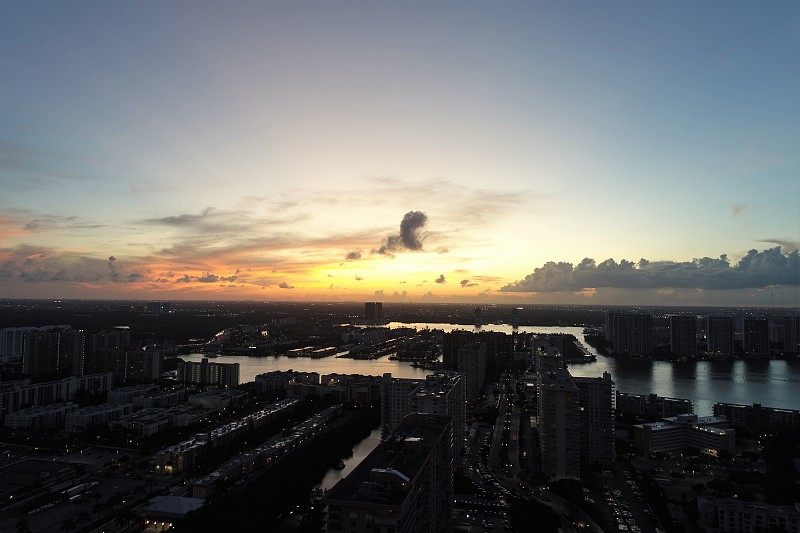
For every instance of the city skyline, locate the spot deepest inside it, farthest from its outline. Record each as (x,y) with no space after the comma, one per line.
(521,153)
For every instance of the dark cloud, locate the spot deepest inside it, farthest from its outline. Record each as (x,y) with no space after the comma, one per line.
(787,245)
(50,222)
(737,209)
(182,220)
(441,279)
(359,278)
(410,226)
(410,236)
(207,277)
(353,255)
(466,283)
(284,285)
(755,270)
(33,264)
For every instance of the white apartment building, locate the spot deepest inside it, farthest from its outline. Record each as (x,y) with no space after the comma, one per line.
(685,431)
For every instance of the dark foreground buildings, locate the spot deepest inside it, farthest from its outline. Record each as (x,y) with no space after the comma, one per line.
(405,485)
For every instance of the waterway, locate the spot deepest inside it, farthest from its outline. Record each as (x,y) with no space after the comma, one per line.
(773,383)
(360,451)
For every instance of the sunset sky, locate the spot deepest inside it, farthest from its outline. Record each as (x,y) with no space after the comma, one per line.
(511,152)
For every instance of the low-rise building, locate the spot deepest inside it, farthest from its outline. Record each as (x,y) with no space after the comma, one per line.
(95,415)
(41,418)
(21,394)
(218,399)
(145,422)
(652,406)
(162,511)
(277,380)
(728,515)
(686,431)
(130,394)
(759,418)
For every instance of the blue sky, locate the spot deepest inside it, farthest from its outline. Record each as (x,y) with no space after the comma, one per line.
(268,149)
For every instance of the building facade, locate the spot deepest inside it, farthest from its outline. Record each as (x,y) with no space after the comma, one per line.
(728,515)
(559,425)
(404,486)
(204,373)
(683,335)
(755,335)
(597,397)
(720,335)
(472,364)
(685,431)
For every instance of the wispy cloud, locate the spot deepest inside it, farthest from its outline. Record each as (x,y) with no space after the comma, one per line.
(737,210)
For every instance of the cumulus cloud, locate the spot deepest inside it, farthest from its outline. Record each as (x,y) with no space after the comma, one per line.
(441,279)
(410,236)
(466,283)
(754,270)
(207,277)
(359,278)
(284,285)
(353,255)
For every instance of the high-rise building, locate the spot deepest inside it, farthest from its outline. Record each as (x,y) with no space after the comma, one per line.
(683,335)
(515,317)
(12,342)
(596,397)
(609,325)
(472,363)
(791,334)
(755,335)
(373,311)
(547,361)
(142,364)
(440,393)
(499,347)
(119,337)
(395,401)
(720,332)
(633,334)
(204,373)
(404,486)
(478,316)
(56,351)
(559,425)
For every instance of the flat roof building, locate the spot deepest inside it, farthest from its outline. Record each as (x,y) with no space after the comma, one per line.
(405,485)
(686,431)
